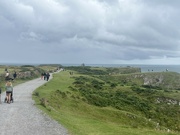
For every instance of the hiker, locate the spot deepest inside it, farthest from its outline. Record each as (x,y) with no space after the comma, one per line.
(47,76)
(7,76)
(9,90)
(14,75)
(44,76)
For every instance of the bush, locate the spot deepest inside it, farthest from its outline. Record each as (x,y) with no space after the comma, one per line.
(43,102)
(113,85)
(36,94)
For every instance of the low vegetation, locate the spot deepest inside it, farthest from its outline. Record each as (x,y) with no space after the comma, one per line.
(24,72)
(107,101)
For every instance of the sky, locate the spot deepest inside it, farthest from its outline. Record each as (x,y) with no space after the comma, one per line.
(90,31)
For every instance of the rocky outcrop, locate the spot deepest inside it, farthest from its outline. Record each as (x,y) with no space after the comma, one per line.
(163,80)
(154,81)
(168,101)
(26,74)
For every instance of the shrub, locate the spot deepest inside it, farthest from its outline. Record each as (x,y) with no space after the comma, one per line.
(36,94)
(113,85)
(44,102)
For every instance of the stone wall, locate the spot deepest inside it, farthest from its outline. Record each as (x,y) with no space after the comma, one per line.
(26,74)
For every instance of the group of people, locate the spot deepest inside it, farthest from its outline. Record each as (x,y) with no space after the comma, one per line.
(9,86)
(45,76)
(7,76)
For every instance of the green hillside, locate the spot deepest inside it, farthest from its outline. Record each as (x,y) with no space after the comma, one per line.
(106,101)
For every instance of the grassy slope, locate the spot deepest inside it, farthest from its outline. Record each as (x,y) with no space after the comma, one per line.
(80,118)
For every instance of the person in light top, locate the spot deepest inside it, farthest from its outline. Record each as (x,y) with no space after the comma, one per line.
(9,90)
(7,76)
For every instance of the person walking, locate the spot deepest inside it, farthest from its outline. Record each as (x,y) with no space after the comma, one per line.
(9,90)
(14,75)
(47,76)
(7,76)
(42,76)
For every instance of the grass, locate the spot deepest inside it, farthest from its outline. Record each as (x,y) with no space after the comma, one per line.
(80,118)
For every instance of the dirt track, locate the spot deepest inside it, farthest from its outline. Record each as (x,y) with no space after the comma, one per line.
(23,118)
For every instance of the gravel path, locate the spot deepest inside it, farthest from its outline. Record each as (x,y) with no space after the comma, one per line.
(23,118)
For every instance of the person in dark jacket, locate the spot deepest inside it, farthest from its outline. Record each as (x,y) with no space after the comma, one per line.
(44,76)
(14,75)
(47,76)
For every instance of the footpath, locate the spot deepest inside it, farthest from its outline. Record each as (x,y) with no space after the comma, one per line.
(22,117)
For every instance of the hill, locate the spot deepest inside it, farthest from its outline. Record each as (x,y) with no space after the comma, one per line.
(108,101)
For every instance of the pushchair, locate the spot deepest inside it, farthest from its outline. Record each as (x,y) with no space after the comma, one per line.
(12,99)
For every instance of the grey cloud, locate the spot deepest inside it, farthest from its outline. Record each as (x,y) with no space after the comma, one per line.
(174,3)
(112,30)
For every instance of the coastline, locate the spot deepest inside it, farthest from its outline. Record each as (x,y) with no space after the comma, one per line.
(144,68)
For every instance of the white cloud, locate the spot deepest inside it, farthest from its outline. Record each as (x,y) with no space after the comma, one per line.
(92,30)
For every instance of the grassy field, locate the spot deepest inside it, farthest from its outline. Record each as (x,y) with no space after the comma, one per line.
(71,109)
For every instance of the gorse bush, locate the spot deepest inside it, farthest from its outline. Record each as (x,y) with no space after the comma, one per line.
(36,94)
(63,94)
(96,94)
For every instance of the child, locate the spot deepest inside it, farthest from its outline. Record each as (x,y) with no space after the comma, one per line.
(9,90)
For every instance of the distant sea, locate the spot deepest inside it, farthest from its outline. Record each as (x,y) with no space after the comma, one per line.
(144,68)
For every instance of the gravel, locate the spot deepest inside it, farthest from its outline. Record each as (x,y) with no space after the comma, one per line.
(23,118)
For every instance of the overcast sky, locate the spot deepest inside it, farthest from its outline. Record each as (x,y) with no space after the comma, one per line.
(90,31)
